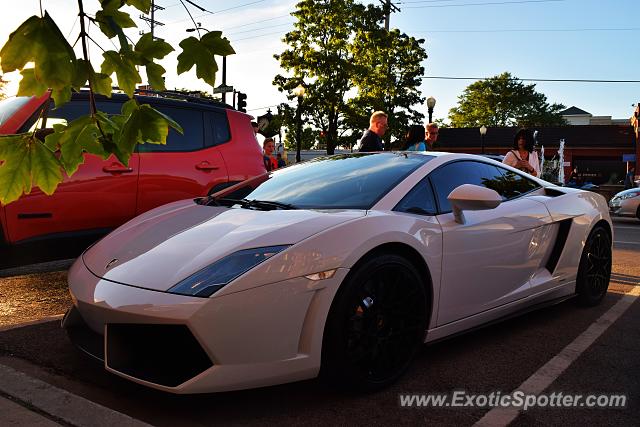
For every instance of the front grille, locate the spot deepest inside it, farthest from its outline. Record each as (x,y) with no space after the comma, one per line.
(166,355)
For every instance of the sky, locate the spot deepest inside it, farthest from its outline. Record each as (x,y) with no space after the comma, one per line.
(531,39)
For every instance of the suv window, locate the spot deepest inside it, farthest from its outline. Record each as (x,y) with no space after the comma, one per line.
(219,128)
(446,178)
(419,200)
(192,125)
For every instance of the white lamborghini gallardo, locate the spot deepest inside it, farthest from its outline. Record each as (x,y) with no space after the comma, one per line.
(342,267)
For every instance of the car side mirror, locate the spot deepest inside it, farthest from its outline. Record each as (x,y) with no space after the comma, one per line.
(469,197)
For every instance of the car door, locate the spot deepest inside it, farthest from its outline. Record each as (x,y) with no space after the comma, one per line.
(183,168)
(101,194)
(488,260)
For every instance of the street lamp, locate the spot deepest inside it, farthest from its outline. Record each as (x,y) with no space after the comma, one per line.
(224,60)
(431,102)
(299,92)
(483,132)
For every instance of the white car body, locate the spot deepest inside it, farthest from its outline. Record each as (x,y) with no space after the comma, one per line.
(626,203)
(266,326)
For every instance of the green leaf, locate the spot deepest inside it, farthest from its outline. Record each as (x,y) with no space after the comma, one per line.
(45,168)
(154,75)
(101,84)
(111,21)
(217,44)
(194,52)
(142,5)
(124,68)
(81,135)
(40,41)
(14,54)
(29,86)
(61,96)
(150,49)
(15,172)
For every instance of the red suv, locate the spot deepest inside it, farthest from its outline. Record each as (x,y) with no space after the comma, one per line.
(218,149)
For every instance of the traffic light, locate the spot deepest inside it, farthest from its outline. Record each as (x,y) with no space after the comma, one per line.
(242,102)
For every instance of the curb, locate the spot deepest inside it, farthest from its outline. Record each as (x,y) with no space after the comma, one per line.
(43,267)
(58,404)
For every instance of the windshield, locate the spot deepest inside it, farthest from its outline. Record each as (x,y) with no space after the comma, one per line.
(355,181)
(9,106)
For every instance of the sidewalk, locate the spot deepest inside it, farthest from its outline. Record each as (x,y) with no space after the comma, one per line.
(16,415)
(56,403)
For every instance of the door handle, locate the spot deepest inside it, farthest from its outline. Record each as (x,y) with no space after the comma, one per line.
(206,166)
(116,168)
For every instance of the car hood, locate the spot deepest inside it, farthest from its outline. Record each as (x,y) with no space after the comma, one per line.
(162,247)
(625,192)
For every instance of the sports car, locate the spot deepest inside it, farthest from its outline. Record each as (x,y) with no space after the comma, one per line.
(340,267)
(626,203)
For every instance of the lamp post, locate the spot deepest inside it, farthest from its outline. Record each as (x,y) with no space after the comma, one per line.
(299,92)
(224,60)
(431,102)
(483,132)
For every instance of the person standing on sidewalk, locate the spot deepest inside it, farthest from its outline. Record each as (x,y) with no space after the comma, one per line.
(628,179)
(372,138)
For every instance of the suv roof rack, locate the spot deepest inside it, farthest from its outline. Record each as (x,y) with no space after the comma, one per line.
(189,97)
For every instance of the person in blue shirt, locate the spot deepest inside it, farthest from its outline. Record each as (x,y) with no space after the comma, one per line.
(414,140)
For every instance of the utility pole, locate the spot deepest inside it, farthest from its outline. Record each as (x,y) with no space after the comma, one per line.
(388,8)
(151,18)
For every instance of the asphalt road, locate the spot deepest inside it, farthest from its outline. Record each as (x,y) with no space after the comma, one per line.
(497,358)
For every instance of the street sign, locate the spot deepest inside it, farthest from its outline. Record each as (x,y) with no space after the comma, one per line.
(223,89)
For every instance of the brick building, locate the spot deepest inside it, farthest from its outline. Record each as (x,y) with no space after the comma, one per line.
(599,152)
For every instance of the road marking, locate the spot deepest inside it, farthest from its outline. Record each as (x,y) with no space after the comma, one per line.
(60,404)
(550,371)
(32,322)
(615,227)
(626,243)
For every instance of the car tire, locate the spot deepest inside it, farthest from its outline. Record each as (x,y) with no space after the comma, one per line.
(638,212)
(594,271)
(376,324)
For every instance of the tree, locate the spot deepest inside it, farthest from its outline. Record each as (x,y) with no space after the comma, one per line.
(3,83)
(28,161)
(388,71)
(320,52)
(504,100)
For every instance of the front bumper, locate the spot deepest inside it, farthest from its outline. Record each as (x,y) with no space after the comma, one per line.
(626,208)
(267,335)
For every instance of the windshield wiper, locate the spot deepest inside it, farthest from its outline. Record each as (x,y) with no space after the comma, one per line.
(259,204)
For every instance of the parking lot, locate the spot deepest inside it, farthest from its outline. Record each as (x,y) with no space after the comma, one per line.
(499,358)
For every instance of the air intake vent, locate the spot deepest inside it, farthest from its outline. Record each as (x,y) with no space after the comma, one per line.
(161,354)
(561,240)
(553,192)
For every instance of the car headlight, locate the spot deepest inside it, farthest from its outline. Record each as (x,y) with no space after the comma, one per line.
(213,277)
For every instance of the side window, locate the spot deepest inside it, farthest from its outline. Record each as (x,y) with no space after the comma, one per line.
(514,185)
(219,128)
(419,200)
(192,125)
(68,112)
(446,178)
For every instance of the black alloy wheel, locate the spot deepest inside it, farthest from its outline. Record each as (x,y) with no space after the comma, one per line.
(376,324)
(594,271)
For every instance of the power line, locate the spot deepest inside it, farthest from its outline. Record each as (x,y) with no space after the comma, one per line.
(257,22)
(484,4)
(531,30)
(534,80)
(218,11)
(257,29)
